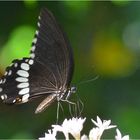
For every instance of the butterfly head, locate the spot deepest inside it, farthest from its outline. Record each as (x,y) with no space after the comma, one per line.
(73,89)
(70,91)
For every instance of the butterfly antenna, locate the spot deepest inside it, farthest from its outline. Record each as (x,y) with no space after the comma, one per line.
(88,81)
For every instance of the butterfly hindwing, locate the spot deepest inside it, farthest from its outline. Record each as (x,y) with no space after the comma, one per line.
(15,82)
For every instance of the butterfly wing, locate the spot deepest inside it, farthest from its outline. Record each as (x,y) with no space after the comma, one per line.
(52,49)
(48,69)
(14,85)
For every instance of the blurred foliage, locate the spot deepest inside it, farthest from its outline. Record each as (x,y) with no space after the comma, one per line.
(106,42)
(18,45)
(111,57)
(30,4)
(120,2)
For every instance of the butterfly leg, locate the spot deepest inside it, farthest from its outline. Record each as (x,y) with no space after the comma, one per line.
(71,104)
(59,105)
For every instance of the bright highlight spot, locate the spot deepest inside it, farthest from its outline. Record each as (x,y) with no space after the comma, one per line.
(30,3)
(111,58)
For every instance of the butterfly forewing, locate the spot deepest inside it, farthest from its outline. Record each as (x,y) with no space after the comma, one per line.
(52,49)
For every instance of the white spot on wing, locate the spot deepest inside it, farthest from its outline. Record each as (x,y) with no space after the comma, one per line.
(23,91)
(25,66)
(22,85)
(38,24)
(32,55)
(36,32)
(23,73)
(5,73)
(31,62)
(3,97)
(25,97)
(26,60)
(39,17)
(34,40)
(33,48)
(21,79)
(14,101)
(10,72)
(4,80)
(15,65)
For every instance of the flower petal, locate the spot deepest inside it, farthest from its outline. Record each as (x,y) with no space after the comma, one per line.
(84,137)
(119,136)
(48,136)
(99,122)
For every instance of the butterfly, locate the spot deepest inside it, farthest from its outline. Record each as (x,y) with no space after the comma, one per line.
(47,72)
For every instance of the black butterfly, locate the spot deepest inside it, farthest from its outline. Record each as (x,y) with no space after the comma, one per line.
(47,72)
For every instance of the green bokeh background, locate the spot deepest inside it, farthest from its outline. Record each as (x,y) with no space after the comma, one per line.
(105,37)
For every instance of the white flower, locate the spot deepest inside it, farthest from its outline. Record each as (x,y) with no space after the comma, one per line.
(48,136)
(72,126)
(75,127)
(119,136)
(103,125)
(62,128)
(96,133)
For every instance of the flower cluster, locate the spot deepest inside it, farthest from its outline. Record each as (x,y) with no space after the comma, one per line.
(74,127)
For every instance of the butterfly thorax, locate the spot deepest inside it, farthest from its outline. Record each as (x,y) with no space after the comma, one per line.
(65,94)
